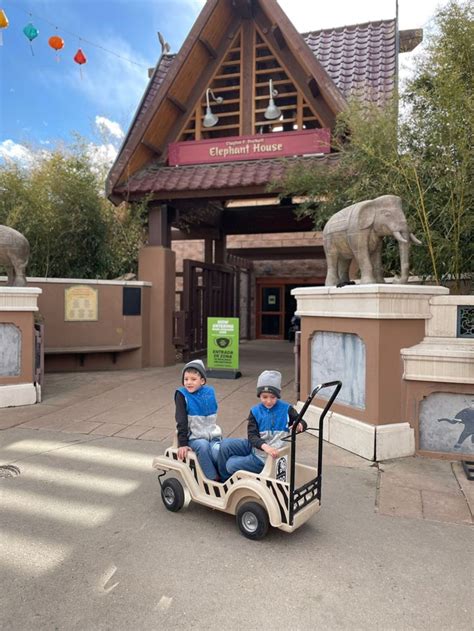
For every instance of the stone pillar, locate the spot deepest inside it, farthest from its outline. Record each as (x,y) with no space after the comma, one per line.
(17,346)
(355,334)
(439,381)
(157,265)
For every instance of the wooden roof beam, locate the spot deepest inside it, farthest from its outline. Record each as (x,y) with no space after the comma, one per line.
(278,35)
(149,145)
(178,105)
(244,8)
(209,48)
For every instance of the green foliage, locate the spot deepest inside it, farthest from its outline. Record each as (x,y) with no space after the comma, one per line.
(426,160)
(74,232)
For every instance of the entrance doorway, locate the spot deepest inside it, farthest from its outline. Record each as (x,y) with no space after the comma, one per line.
(276,306)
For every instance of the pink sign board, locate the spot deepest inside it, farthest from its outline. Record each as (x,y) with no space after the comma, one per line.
(273,145)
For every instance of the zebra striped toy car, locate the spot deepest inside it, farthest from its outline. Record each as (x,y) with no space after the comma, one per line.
(284,495)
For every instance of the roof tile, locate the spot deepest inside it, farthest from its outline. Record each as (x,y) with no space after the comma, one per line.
(156,178)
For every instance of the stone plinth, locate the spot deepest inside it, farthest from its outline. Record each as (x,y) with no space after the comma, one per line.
(439,380)
(355,334)
(17,346)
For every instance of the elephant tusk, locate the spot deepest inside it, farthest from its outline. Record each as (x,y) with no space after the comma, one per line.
(399,237)
(414,239)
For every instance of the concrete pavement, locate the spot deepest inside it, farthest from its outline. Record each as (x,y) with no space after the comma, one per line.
(87,544)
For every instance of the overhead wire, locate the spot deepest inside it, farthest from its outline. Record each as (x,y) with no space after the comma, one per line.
(82,39)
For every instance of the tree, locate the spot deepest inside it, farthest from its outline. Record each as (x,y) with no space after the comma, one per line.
(426,159)
(74,232)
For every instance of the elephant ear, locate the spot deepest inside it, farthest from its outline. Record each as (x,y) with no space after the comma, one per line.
(363,215)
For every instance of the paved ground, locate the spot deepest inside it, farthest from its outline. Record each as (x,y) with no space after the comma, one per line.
(85,542)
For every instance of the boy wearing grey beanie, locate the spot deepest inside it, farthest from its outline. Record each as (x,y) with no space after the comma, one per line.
(268,422)
(196,415)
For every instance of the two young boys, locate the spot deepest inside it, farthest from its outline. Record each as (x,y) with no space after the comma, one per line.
(196,411)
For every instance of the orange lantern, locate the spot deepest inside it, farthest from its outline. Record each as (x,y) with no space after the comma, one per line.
(57,43)
(3,24)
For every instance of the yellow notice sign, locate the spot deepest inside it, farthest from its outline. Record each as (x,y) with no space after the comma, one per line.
(81,304)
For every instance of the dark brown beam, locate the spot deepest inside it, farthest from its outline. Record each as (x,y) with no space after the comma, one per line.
(279,253)
(194,233)
(261,220)
(209,47)
(278,35)
(244,8)
(220,249)
(159,229)
(182,108)
(149,145)
(248,64)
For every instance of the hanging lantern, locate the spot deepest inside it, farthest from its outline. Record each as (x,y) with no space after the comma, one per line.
(57,43)
(31,33)
(3,24)
(80,59)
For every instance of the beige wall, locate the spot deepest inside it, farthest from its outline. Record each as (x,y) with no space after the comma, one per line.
(383,340)
(112,329)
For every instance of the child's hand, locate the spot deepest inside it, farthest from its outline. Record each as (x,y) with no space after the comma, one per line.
(182,451)
(271,451)
(300,427)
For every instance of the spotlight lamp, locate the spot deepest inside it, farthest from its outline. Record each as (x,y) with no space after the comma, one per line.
(272,112)
(211,119)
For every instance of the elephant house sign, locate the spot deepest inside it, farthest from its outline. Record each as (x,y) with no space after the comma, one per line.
(274,145)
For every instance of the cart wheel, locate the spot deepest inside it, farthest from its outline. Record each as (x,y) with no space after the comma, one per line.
(252,520)
(172,494)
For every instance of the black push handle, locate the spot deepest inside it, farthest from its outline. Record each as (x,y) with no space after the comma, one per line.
(307,403)
(337,385)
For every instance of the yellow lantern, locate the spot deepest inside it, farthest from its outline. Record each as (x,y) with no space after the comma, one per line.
(3,24)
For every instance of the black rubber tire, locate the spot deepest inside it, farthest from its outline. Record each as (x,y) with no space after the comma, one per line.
(252,520)
(172,494)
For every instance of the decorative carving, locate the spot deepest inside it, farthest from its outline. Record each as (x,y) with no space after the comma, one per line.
(465,321)
(14,254)
(356,232)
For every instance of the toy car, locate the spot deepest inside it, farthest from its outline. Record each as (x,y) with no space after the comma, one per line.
(284,495)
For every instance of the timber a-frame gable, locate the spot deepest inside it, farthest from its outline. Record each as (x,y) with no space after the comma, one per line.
(235,47)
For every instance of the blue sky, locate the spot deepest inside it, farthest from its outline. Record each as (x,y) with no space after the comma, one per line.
(42,100)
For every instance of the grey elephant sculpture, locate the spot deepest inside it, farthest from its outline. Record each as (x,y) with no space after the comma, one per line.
(356,232)
(14,254)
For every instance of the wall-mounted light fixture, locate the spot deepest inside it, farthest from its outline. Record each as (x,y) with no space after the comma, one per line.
(272,112)
(211,119)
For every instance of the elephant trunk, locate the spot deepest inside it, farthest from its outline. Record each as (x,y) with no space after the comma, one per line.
(404,248)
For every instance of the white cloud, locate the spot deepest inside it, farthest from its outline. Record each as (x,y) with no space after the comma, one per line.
(11,151)
(106,126)
(101,156)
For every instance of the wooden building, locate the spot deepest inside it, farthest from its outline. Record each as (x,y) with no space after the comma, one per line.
(246,98)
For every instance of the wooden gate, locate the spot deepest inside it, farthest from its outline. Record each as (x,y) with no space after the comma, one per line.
(208,290)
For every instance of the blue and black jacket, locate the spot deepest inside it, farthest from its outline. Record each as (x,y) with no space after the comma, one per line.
(270,425)
(196,415)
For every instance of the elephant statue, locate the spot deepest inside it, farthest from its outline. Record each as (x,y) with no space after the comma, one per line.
(14,253)
(356,232)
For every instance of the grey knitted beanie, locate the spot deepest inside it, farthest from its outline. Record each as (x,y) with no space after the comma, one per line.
(196,364)
(269,381)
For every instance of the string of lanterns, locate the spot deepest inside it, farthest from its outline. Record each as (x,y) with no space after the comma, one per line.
(57,43)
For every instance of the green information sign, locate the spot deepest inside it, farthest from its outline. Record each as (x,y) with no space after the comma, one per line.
(223,343)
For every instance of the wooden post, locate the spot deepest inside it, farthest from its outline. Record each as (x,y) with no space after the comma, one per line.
(220,250)
(159,228)
(157,265)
